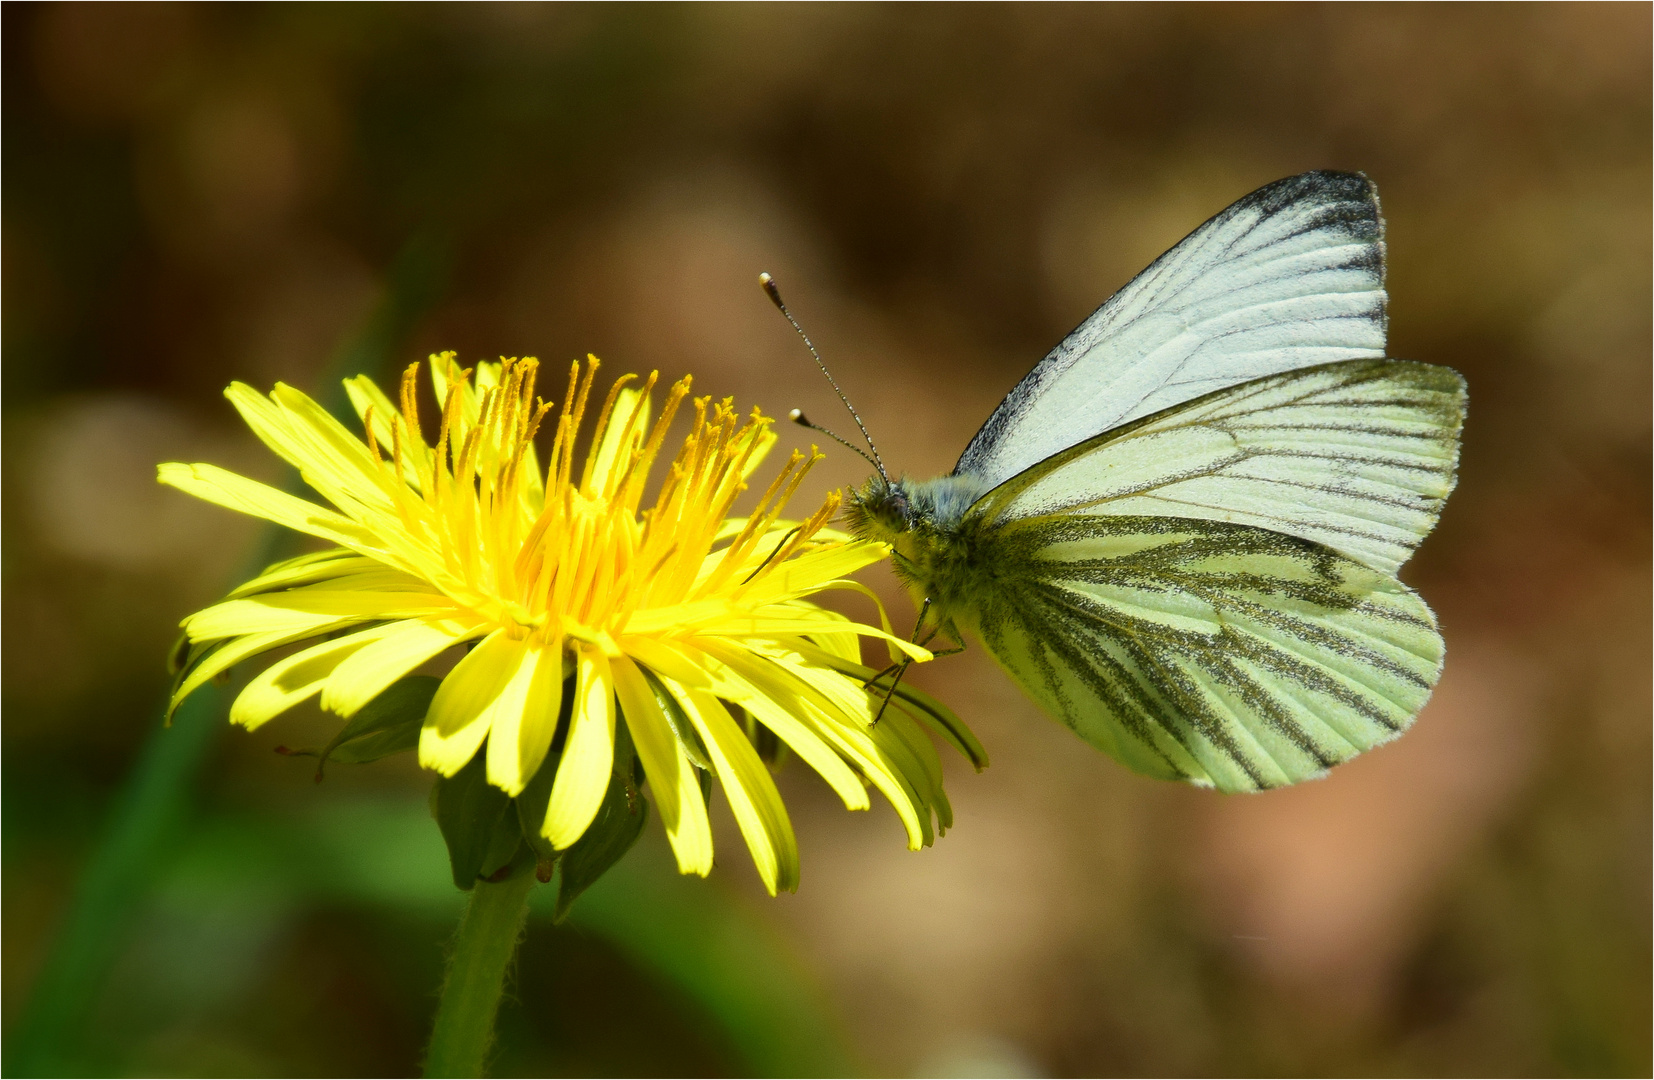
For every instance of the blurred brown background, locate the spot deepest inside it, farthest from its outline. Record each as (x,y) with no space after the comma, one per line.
(199,193)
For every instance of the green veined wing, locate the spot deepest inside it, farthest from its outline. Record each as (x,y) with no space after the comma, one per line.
(1221,654)
(1359,456)
(1209,593)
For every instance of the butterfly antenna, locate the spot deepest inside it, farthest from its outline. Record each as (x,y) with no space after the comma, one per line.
(797,416)
(775,297)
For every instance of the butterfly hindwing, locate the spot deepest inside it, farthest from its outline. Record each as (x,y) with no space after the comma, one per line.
(1221,654)
(1291,276)
(1359,456)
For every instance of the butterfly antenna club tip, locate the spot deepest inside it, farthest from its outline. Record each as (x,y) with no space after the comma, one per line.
(797,416)
(771,291)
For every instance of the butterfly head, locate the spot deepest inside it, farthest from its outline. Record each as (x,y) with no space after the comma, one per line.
(880,509)
(883,509)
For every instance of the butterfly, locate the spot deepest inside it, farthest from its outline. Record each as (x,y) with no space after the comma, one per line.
(1180,532)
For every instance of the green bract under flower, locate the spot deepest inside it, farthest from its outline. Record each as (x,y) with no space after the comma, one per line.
(689,627)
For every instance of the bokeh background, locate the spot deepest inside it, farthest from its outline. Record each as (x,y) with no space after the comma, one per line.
(194,194)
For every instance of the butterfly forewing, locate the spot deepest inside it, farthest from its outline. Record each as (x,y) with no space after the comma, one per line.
(1221,654)
(1289,277)
(1358,456)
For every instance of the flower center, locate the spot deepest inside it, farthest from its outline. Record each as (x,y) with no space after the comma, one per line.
(546,553)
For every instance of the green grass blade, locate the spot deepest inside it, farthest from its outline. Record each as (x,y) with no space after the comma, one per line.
(155,799)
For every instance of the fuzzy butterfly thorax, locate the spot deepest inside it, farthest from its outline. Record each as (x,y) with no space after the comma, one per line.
(927,524)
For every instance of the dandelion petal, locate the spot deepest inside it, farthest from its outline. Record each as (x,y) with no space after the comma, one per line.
(363,676)
(525,718)
(753,688)
(463,707)
(588,756)
(752,796)
(225,488)
(289,681)
(672,777)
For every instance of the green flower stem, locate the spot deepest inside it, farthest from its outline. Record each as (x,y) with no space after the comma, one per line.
(483,949)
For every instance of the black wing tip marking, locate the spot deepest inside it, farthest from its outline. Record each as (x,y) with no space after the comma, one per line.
(1323,185)
(1348,199)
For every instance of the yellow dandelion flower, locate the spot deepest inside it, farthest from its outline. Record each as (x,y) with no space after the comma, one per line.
(665,614)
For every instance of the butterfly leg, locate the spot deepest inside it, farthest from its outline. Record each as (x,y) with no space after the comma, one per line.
(901,665)
(901,668)
(790,534)
(867,684)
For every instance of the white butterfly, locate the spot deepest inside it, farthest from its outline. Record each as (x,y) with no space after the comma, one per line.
(1180,532)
